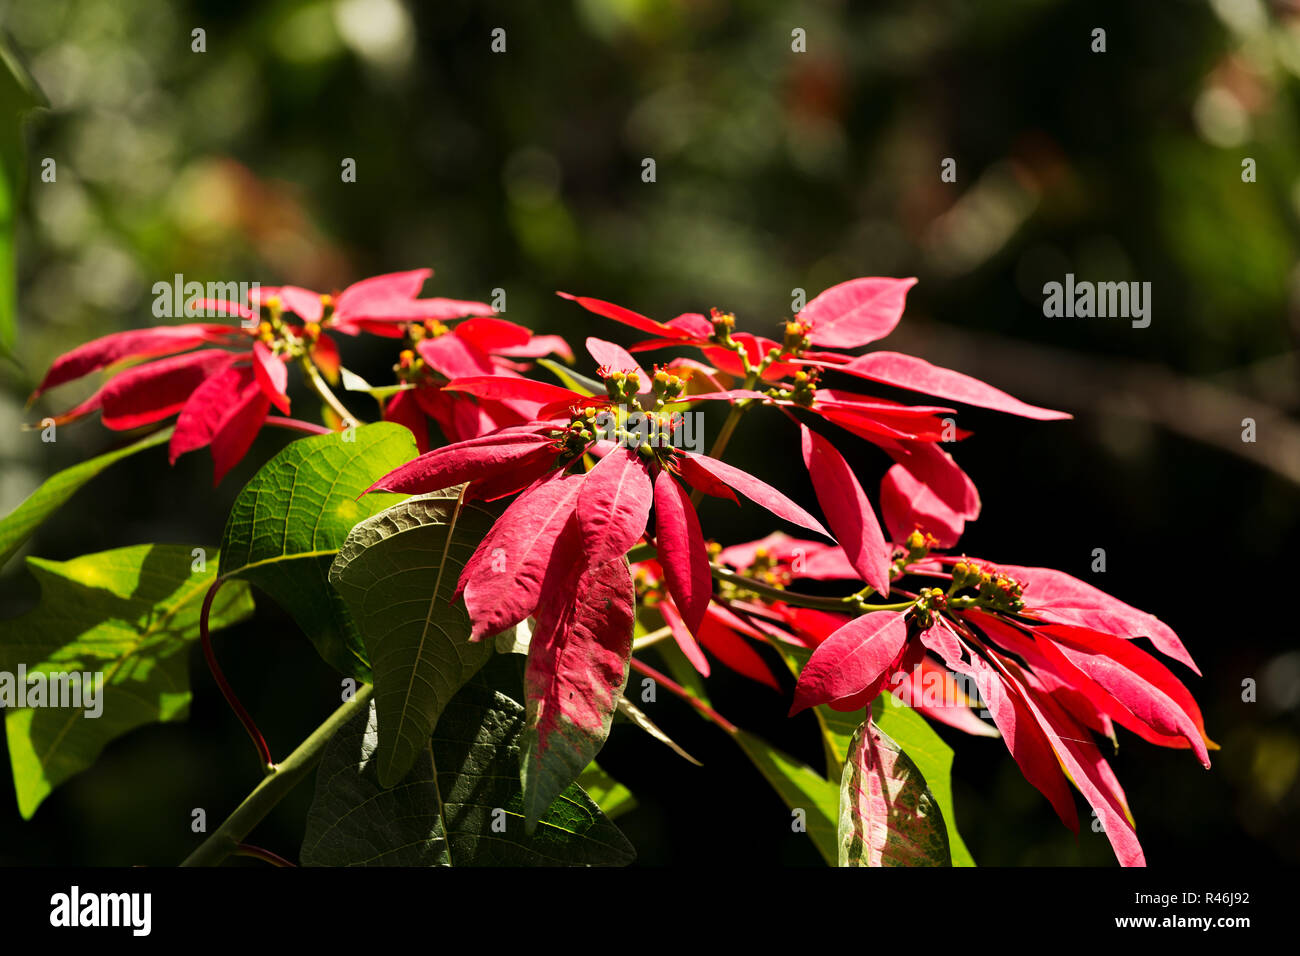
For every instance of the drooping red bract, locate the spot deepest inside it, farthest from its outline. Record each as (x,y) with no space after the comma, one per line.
(847,509)
(577,669)
(534,543)
(683,555)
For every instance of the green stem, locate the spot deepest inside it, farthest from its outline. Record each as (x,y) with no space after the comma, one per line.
(642,552)
(852,604)
(737,412)
(649,640)
(226,839)
(327,394)
(729,425)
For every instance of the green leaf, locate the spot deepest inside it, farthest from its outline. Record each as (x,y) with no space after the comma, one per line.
(571,379)
(128,615)
(904,725)
(353,382)
(888,816)
(290,520)
(397,575)
(19,524)
(612,797)
(801,787)
(634,715)
(932,757)
(18,95)
(468,813)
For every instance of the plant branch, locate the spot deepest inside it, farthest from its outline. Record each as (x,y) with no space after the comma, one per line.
(327,394)
(228,692)
(296,424)
(227,838)
(851,604)
(684,694)
(259,853)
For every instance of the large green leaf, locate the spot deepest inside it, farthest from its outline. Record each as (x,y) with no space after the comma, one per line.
(396,574)
(467,813)
(290,520)
(19,524)
(801,787)
(18,95)
(887,816)
(908,728)
(128,614)
(932,757)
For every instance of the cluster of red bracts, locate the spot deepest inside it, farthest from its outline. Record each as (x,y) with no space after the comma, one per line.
(1055,665)
(570,519)
(1062,665)
(221,381)
(1052,659)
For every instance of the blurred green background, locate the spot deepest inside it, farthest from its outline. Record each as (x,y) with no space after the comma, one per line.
(775,171)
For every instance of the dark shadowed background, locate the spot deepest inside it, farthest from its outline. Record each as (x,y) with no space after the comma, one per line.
(775,171)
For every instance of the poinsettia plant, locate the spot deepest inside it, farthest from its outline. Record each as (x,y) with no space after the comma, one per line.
(487,565)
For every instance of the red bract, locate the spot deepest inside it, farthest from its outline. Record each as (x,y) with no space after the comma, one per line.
(577,668)
(918,375)
(856,312)
(848,510)
(848,669)
(927,491)
(379,305)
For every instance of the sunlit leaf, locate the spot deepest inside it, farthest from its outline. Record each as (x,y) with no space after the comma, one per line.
(128,615)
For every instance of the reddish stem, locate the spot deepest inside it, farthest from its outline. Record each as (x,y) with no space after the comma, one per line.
(297,424)
(263,751)
(685,695)
(260,853)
